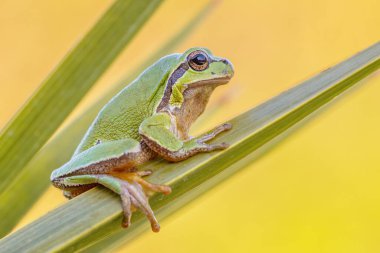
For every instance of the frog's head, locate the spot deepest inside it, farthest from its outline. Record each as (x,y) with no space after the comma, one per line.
(203,68)
(197,71)
(194,76)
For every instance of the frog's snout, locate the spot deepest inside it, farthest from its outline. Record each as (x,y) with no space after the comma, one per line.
(229,70)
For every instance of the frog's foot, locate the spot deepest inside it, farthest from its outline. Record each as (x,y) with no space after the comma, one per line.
(134,193)
(212,134)
(131,187)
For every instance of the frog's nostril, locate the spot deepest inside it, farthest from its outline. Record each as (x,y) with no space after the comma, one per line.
(225,61)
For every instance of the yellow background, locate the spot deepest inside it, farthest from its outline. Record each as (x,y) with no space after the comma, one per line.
(318,191)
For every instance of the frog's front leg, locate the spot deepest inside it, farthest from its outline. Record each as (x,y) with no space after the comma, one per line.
(113,165)
(158,133)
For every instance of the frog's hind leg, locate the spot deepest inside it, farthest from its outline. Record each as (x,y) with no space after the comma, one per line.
(131,191)
(113,165)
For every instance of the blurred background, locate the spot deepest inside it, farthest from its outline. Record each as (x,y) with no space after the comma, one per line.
(317,191)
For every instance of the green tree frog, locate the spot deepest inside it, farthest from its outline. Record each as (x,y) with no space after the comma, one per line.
(149,118)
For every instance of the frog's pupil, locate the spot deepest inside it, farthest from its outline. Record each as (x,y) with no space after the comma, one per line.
(199,59)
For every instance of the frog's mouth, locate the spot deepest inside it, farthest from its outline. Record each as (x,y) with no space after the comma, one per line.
(214,81)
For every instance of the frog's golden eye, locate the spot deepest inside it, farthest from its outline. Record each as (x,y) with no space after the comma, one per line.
(198,60)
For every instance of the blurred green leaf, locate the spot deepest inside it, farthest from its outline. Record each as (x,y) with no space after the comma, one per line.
(67,84)
(92,220)
(34,179)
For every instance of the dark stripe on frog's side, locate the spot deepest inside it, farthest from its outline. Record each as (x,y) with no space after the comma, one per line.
(178,73)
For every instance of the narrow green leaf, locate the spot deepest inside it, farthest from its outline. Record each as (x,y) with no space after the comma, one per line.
(34,179)
(263,127)
(96,214)
(67,84)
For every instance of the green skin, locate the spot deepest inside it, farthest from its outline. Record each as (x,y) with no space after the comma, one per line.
(150,117)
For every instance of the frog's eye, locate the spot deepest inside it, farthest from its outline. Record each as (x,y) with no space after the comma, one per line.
(198,60)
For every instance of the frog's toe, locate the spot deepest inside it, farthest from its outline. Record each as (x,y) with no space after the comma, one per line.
(135,192)
(148,187)
(212,134)
(144,173)
(133,195)
(219,146)
(126,203)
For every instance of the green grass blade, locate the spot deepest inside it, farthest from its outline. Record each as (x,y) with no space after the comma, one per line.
(96,214)
(34,179)
(67,84)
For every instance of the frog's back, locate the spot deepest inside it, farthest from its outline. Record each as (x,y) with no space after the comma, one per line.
(121,117)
